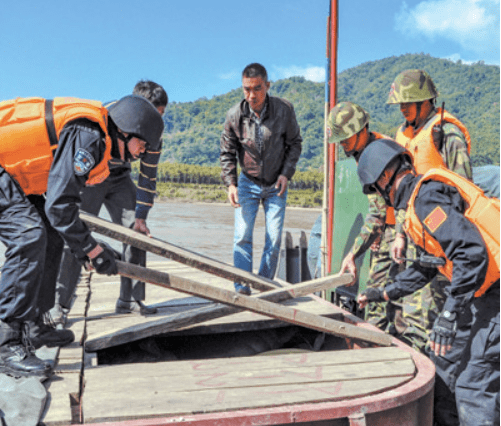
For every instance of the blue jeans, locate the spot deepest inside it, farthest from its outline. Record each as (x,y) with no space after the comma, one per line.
(250,195)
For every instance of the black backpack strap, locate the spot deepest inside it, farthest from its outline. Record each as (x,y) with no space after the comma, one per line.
(49,123)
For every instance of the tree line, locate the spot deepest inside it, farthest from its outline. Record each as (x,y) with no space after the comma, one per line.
(211,175)
(471,93)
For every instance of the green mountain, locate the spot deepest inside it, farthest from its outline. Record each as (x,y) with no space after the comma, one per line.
(470,92)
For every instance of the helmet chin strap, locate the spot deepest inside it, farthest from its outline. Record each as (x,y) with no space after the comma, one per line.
(354,153)
(126,140)
(419,107)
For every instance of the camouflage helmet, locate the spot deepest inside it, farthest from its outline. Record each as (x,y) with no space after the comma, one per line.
(345,120)
(412,86)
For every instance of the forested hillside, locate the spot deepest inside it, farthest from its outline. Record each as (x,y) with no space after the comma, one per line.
(471,92)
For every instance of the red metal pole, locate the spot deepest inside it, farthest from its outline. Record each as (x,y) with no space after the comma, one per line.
(332,147)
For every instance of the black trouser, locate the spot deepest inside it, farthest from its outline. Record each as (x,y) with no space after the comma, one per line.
(53,253)
(26,289)
(469,372)
(477,384)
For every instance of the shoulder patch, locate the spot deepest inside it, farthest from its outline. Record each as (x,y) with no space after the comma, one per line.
(435,219)
(83,162)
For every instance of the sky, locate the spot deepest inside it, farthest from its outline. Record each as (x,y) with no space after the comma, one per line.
(99,49)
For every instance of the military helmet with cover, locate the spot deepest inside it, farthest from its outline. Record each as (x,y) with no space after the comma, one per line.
(412,86)
(345,120)
(137,116)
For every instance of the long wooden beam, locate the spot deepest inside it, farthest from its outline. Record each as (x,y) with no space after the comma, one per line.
(260,306)
(170,251)
(206,313)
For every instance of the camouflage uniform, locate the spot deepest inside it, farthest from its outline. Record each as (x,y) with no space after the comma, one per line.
(346,120)
(420,309)
(380,314)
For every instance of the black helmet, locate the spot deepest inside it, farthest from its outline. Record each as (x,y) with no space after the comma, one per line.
(138,116)
(375,158)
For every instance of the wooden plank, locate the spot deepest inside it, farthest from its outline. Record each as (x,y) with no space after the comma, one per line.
(123,329)
(290,315)
(176,253)
(182,387)
(270,377)
(364,360)
(155,403)
(194,316)
(58,407)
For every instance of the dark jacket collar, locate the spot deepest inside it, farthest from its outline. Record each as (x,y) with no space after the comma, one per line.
(404,191)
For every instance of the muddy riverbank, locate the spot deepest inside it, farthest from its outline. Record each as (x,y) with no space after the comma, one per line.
(207,228)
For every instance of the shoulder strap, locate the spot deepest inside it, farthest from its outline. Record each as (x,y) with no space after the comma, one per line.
(49,123)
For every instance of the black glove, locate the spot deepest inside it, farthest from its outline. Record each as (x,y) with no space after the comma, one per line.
(444,329)
(374,294)
(105,262)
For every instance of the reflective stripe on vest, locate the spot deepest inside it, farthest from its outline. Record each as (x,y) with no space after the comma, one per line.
(425,155)
(482,211)
(25,149)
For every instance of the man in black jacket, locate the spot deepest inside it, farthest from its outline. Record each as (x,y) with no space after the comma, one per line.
(262,135)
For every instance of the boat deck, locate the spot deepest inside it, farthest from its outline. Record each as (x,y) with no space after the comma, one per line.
(84,390)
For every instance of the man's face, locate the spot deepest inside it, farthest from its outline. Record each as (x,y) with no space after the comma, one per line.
(355,143)
(255,89)
(384,181)
(409,111)
(136,147)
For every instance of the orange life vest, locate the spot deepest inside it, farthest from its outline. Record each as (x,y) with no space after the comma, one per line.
(419,143)
(390,211)
(26,152)
(482,211)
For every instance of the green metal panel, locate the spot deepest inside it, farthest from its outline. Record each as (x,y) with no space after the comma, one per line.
(350,208)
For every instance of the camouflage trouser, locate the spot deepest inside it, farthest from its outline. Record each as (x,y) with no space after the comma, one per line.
(382,314)
(414,320)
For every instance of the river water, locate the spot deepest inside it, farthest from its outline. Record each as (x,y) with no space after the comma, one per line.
(207,228)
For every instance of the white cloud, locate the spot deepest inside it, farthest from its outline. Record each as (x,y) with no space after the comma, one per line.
(474,24)
(457,57)
(310,72)
(232,75)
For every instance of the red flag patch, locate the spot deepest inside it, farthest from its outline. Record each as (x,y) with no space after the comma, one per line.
(435,219)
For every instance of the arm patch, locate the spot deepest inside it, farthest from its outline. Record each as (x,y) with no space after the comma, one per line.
(435,219)
(83,162)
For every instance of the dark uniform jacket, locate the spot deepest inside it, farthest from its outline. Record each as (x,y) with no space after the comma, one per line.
(459,238)
(64,183)
(281,143)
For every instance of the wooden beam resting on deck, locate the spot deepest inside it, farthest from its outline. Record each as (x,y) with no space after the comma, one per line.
(170,251)
(260,306)
(206,313)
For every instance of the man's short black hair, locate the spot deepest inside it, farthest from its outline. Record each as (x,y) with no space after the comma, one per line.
(255,70)
(152,91)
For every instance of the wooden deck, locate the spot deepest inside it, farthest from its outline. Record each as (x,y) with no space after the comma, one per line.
(177,388)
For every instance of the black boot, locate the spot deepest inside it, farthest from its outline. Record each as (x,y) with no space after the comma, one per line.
(46,334)
(134,306)
(17,356)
